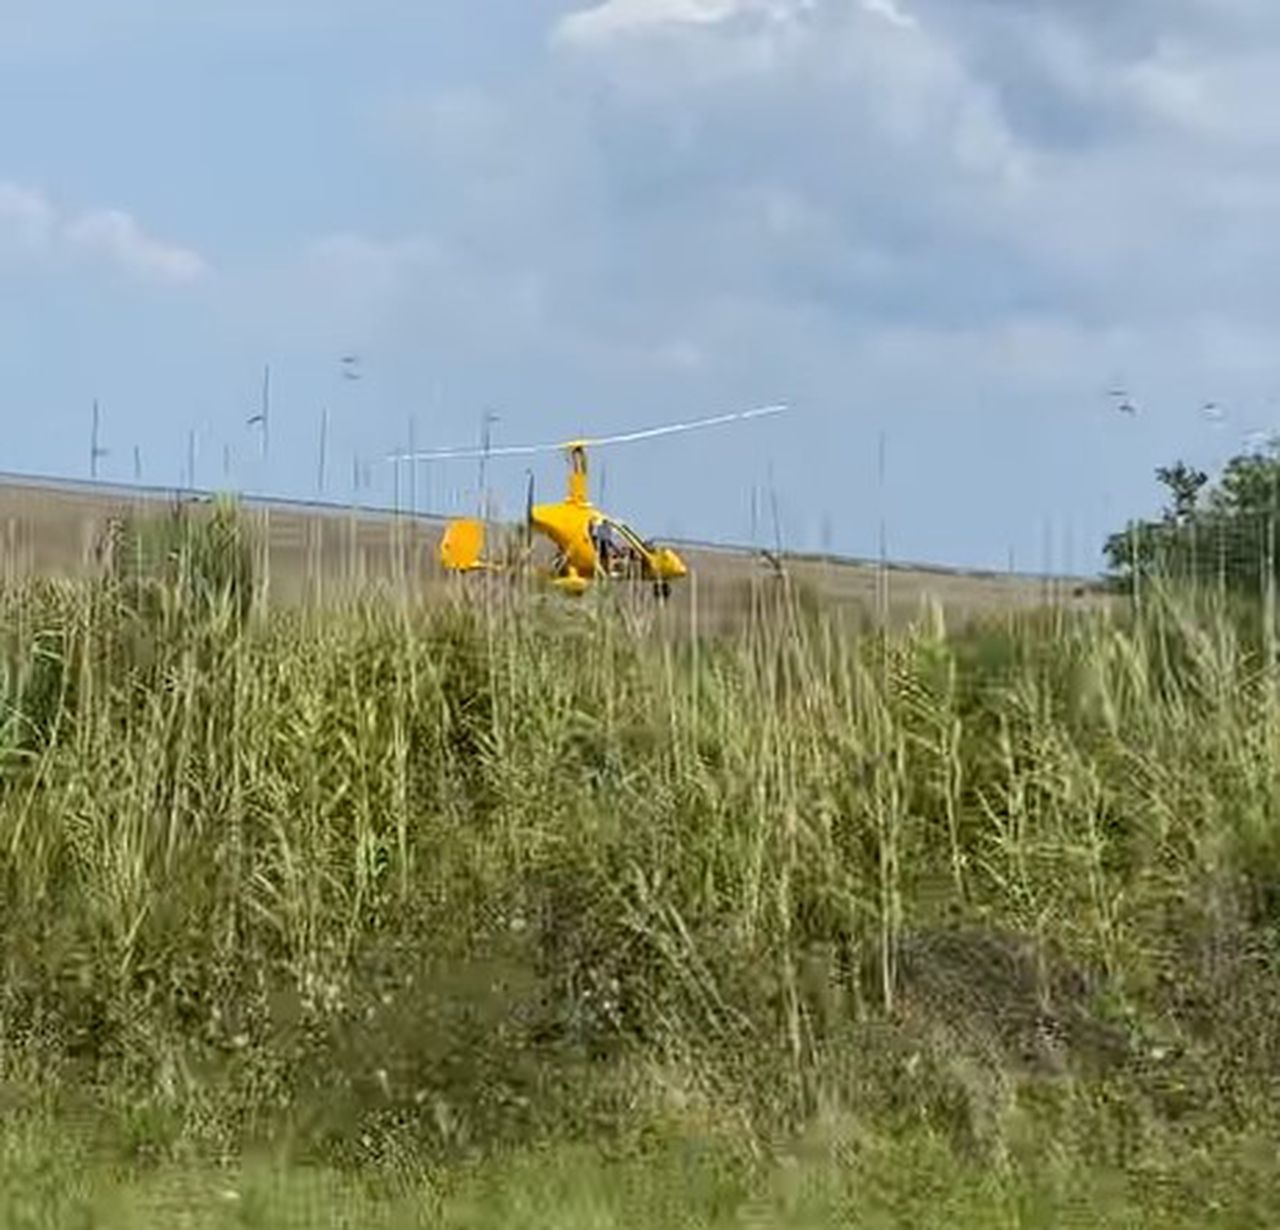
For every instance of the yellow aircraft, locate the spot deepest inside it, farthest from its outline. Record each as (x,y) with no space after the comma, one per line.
(589,543)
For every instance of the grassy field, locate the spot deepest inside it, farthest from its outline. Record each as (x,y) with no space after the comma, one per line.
(845,1180)
(415,910)
(312,554)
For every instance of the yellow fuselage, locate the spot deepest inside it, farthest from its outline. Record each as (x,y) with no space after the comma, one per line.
(569,524)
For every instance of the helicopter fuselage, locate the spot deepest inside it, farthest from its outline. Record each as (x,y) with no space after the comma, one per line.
(589,544)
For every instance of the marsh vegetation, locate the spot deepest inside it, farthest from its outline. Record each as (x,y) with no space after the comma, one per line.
(500,910)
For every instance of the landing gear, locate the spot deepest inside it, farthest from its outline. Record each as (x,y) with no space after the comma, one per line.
(662,590)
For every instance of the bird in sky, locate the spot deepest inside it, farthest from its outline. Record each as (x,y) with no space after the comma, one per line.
(1123,402)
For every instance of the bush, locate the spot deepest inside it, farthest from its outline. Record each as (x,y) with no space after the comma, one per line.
(192,562)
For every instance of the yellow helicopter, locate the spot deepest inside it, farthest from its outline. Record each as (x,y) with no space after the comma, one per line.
(589,544)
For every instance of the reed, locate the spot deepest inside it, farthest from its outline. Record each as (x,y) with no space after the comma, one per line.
(442,880)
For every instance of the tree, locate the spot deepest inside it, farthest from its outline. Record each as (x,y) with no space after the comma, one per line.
(1230,538)
(1184,485)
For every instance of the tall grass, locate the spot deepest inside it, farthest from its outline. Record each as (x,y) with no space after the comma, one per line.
(449,879)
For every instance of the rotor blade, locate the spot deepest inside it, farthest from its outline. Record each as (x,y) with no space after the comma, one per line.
(470,454)
(673,428)
(524,450)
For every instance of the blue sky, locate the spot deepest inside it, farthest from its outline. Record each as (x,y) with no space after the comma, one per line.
(956,222)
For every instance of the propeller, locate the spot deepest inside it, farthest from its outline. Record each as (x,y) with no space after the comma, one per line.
(520,450)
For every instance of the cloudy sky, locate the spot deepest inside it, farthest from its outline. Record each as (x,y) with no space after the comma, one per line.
(959,223)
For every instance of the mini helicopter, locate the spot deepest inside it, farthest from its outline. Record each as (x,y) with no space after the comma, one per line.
(589,544)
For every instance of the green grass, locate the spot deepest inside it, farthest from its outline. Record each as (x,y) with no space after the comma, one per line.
(532,913)
(852,1179)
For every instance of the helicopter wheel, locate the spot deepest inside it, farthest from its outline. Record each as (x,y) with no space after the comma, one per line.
(662,590)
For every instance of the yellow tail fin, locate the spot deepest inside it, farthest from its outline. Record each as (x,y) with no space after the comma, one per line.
(462,545)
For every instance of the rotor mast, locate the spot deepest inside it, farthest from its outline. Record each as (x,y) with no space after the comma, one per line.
(577,454)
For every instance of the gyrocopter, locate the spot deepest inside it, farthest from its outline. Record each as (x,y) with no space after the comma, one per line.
(590,545)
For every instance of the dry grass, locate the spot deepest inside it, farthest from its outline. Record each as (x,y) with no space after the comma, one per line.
(326,554)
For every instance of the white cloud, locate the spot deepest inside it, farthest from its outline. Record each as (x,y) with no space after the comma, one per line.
(614,19)
(892,12)
(842,85)
(617,18)
(34,228)
(116,237)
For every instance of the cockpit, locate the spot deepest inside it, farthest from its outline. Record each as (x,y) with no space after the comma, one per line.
(619,549)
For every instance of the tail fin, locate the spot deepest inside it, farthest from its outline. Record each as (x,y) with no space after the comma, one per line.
(462,545)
